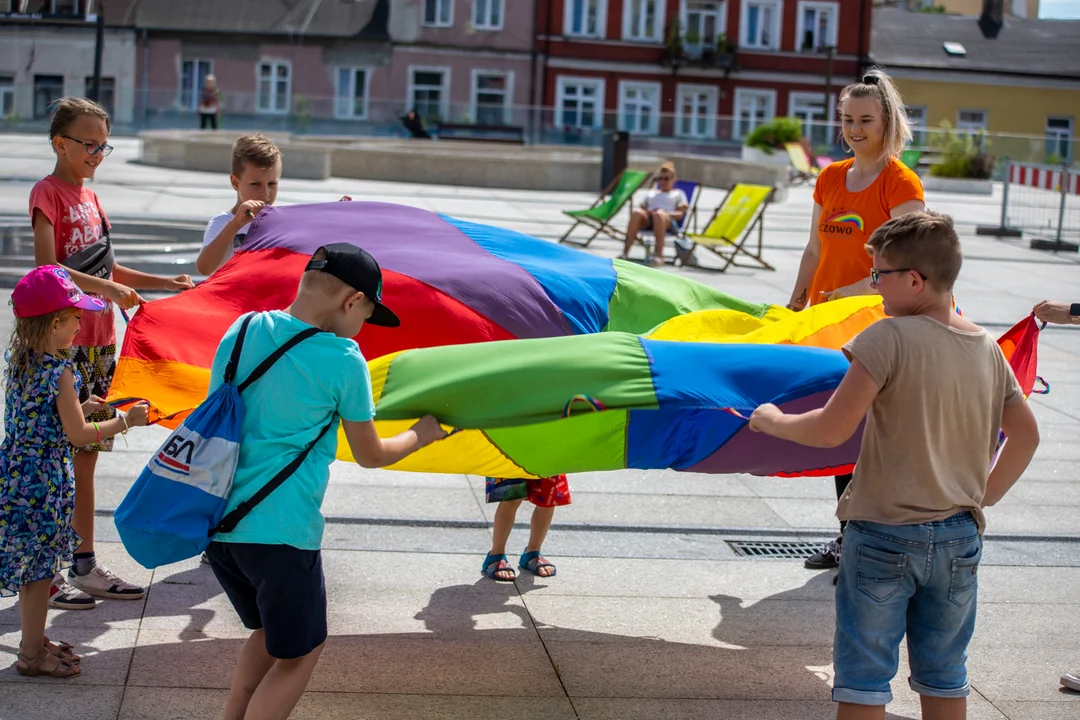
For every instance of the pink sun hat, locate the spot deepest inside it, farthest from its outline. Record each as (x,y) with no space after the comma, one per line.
(49,288)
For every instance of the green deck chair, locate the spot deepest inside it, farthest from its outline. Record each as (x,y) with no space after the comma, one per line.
(911,158)
(733,223)
(599,215)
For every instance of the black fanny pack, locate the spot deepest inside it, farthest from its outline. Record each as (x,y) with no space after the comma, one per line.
(94,260)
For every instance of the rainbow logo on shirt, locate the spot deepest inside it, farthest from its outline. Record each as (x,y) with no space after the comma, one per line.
(851,218)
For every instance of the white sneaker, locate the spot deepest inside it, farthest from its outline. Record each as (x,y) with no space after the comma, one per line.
(103,583)
(63,596)
(1071,681)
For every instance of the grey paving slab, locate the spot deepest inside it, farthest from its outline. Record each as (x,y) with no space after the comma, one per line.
(355,706)
(402,502)
(171,704)
(806,512)
(1047,585)
(106,654)
(608,508)
(1023,673)
(662,482)
(29,701)
(1031,624)
(1066,709)
(589,708)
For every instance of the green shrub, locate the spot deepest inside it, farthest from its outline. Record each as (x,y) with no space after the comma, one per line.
(963,155)
(774,134)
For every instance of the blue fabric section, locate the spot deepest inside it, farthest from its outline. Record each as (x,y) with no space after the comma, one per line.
(694,380)
(580,284)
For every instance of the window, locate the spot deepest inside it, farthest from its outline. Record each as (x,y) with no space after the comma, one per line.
(817,23)
(351,93)
(704,22)
(488,14)
(492,91)
(1059,132)
(439,13)
(47,90)
(643,20)
(760,24)
(64,7)
(695,111)
(275,87)
(192,75)
(106,93)
(429,93)
(811,109)
(7,96)
(916,115)
(585,18)
(639,107)
(580,102)
(752,108)
(971,120)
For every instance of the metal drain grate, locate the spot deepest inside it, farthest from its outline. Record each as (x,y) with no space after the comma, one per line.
(769,549)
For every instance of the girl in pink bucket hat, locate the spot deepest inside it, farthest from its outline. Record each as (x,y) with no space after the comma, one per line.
(43,419)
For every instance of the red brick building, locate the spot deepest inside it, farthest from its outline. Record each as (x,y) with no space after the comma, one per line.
(697,69)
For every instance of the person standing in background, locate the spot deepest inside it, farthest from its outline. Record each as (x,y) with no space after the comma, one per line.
(209,107)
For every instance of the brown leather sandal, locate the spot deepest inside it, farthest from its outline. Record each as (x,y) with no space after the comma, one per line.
(31,667)
(64,651)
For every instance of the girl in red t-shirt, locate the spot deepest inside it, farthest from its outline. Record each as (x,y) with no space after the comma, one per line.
(71,229)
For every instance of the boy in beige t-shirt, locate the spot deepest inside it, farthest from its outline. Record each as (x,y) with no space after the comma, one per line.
(934,389)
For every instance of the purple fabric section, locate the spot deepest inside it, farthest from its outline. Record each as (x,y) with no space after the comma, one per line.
(419,244)
(760,454)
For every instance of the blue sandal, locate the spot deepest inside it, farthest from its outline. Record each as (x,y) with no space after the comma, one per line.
(531,561)
(491,566)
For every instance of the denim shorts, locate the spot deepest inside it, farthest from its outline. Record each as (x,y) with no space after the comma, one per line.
(915,579)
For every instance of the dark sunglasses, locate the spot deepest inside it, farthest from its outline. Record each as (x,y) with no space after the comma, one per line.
(876,274)
(666,177)
(91,147)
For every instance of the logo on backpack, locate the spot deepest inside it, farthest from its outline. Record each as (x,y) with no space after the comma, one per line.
(176,455)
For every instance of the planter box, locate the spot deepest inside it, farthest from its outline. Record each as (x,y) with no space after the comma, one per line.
(778,158)
(966,186)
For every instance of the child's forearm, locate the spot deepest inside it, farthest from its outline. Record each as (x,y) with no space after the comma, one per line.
(1013,460)
(212,256)
(399,447)
(806,429)
(88,434)
(137,279)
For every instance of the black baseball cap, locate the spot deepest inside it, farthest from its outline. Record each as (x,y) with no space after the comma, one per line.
(356,268)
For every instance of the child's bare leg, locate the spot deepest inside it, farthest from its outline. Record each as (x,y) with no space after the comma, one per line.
(82,520)
(500,533)
(538,530)
(251,667)
(33,608)
(282,687)
(852,711)
(939,708)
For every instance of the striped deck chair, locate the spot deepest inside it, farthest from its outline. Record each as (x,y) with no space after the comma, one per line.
(733,223)
(801,169)
(598,216)
(678,232)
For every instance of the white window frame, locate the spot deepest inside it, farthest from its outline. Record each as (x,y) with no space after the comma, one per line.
(916,115)
(631,34)
(560,95)
(601,19)
(833,8)
(345,102)
(485,21)
(444,97)
(1059,135)
(474,93)
(78,8)
(796,97)
(449,22)
(274,64)
(654,116)
(743,94)
(971,127)
(774,30)
(721,23)
(713,94)
(7,94)
(196,85)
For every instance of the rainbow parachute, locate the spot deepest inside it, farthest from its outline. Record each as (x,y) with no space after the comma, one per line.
(547,359)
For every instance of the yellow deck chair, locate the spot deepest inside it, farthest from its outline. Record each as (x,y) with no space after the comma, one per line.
(733,222)
(599,215)
(801,169)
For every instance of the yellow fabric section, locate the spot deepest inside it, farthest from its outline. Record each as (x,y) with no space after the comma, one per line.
(828,325)
(378,369)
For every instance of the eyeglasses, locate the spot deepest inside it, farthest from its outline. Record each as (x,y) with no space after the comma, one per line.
(91,147)
(875,274)
(666,177)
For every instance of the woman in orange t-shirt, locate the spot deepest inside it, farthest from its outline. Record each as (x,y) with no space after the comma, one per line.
(853,197)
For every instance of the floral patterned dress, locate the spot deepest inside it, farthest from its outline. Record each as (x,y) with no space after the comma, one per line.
(37,481)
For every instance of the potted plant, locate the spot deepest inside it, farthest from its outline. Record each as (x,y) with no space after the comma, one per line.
(761,145)
(674,51)
(963,164)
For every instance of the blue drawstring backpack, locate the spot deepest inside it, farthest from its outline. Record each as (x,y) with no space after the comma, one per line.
(176,505)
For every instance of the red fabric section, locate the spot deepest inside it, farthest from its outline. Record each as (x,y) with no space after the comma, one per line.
(188,327)
(1021,347)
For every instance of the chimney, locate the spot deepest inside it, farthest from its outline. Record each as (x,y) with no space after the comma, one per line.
(992,18)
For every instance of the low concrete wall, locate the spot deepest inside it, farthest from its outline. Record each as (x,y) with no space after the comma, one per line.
(471,164)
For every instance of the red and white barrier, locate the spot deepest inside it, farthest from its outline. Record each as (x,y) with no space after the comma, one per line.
(1044,177)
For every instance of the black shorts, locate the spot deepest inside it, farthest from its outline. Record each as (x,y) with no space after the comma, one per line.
(276,588)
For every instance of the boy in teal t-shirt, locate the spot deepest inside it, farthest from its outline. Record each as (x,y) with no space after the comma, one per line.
(270,566)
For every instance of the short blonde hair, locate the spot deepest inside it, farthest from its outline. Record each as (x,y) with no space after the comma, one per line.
(923,241)
(254,149)
(876,84)
(669,166)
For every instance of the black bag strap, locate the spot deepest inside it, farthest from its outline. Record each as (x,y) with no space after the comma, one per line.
(260,370)
(230,521)
(234,359)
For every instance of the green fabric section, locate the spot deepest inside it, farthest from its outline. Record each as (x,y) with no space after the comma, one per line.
(645,297)
(516,382)
(580,443)
(630,181)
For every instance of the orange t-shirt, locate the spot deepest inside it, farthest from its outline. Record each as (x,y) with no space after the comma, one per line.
(848,219)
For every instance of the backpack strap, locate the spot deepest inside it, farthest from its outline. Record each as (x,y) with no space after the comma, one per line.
(276,355)
(234,359)
(230,521)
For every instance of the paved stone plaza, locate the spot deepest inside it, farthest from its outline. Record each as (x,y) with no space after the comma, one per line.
(651,615)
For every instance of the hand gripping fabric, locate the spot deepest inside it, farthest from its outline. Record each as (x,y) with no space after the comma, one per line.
(176,504)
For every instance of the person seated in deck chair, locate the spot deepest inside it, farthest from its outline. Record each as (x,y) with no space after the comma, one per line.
(664,206)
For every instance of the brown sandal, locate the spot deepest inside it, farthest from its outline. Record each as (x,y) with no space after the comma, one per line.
(31,667)
(64,651)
